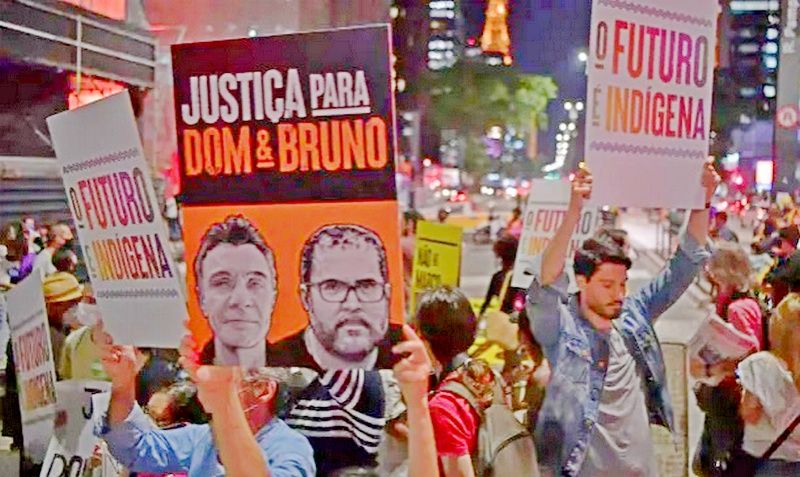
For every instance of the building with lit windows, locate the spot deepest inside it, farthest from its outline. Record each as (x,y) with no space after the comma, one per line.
(748,54)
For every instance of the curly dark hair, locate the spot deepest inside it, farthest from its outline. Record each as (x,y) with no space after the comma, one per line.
(597,251)
(341,236)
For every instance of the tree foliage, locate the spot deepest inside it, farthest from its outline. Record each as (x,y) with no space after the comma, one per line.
(471,97)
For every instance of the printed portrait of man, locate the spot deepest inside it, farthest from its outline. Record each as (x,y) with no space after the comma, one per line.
(346,292)
(236,282)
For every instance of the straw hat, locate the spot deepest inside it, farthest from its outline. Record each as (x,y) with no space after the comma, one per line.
(61,287)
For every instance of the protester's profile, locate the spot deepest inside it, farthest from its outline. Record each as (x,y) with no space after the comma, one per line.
(236,285)
(344,288)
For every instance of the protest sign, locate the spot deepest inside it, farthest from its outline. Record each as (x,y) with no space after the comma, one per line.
(717,341)
(73,444)
(120,227)
(650,78)
(34,364)
(437,257)
(287,145)
(547,206)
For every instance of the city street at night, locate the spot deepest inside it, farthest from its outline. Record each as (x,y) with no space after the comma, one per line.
(399,238)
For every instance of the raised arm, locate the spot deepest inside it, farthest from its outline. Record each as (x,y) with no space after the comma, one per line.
(680,271)
(549,286)
(412,373)
(697,227)
(218,390)
(555,253)
(131,437)
(238,449)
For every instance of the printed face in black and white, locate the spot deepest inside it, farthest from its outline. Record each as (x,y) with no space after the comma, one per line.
(348,300)
(237,294)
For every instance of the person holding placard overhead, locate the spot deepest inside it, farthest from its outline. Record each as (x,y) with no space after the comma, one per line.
(608,381)
(243,438)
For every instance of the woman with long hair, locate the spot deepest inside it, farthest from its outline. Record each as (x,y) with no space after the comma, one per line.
(770,400)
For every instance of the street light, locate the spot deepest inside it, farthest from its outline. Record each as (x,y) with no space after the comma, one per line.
(579,105)
(583,57)
(571,126)
(568,106)
(562,126)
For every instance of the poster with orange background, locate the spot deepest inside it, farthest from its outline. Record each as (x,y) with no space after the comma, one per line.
(287,155)
(285,229)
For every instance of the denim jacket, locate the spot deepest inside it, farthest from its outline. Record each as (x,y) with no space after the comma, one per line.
(578,356)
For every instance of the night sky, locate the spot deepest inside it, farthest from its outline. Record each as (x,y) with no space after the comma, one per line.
(546,36)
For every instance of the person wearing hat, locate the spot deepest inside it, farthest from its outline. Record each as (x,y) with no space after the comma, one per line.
(62,292)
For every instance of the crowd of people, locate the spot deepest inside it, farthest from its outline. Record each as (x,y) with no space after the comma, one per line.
(578,383)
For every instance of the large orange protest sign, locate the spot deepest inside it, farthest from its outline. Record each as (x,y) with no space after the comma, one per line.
(287,154)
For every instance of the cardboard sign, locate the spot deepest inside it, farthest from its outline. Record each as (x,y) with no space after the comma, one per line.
(547,206)
(287,154)
(73,443)
(34,364)
(437,258)
(651,72)
(120,227)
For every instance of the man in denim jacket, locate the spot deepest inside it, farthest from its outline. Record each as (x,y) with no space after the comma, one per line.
(608,378)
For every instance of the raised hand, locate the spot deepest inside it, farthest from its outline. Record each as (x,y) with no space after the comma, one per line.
(710,180)
(216,385)
(120,363)
(413,370)
(581,187)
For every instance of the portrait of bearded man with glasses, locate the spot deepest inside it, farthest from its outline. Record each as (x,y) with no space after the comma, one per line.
(345,290)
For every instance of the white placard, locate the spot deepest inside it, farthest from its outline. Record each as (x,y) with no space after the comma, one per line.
(73,443)
(122,232)
(650,79)
(34,364)
(547,206)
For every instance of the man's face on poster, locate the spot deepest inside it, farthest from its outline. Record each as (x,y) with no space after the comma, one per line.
(348,300)
(237,294)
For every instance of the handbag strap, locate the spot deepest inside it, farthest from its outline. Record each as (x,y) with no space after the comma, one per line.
(781,439)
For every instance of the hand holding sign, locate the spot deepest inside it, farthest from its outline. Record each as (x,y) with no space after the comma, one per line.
(412,372)
(216,385)
(581,187)
(120,363)
(710,180)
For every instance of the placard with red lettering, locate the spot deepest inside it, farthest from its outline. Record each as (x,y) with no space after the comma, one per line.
(120,226)
(34,363)
(650,80)
(547,206)
(287,155)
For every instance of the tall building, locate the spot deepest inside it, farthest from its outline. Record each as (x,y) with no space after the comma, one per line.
(746,87)
(495,39)
(446,34)
(750,33)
